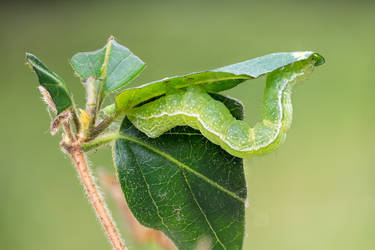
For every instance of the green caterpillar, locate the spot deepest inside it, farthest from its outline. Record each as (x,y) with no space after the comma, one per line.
(194,107)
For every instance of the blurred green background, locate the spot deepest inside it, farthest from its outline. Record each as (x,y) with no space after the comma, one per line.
(316,192)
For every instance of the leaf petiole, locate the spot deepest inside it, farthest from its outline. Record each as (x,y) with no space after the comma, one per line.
(99,141)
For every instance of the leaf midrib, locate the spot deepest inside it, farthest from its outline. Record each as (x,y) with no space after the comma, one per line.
(202,212)
(47,72)
(184,166)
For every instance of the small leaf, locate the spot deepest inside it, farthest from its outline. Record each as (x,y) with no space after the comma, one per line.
(214,80)
(85,122)
(58,121)
(115,64)
(52,83)
(182,184)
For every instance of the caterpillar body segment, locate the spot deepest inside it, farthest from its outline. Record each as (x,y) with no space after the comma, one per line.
(194,107)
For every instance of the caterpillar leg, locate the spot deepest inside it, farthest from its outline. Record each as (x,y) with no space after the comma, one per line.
(197,109)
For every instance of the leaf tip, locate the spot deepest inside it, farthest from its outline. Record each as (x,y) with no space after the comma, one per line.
(27,55)
(111,38)
(319,59)
(28,58)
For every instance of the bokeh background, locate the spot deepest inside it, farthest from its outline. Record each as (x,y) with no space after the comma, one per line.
(316,192)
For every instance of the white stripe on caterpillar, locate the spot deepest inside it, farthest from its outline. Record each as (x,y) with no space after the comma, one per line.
(194,107)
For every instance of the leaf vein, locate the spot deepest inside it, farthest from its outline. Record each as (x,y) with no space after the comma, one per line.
(178,163)
(91,65)
(118,65)
(149,192)
(201,210)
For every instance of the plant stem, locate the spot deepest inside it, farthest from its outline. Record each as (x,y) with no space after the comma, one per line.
(78,156)
(99,141)
(77,124)
(102,126)
(92,99)
(68,131)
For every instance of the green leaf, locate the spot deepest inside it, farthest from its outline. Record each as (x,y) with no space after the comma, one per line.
(115,64)
(182,184)
(52,83)
(214,80)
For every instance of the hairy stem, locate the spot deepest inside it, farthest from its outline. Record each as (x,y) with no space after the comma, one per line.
(79,159)
(91,103)
(102,126)
(68,131)
(77,124)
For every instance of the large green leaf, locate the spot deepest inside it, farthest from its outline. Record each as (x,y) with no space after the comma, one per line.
(52,83)
(115,64)
(182,184)
(214,80)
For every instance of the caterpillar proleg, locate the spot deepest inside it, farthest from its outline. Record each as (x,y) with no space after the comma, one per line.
(194,107)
